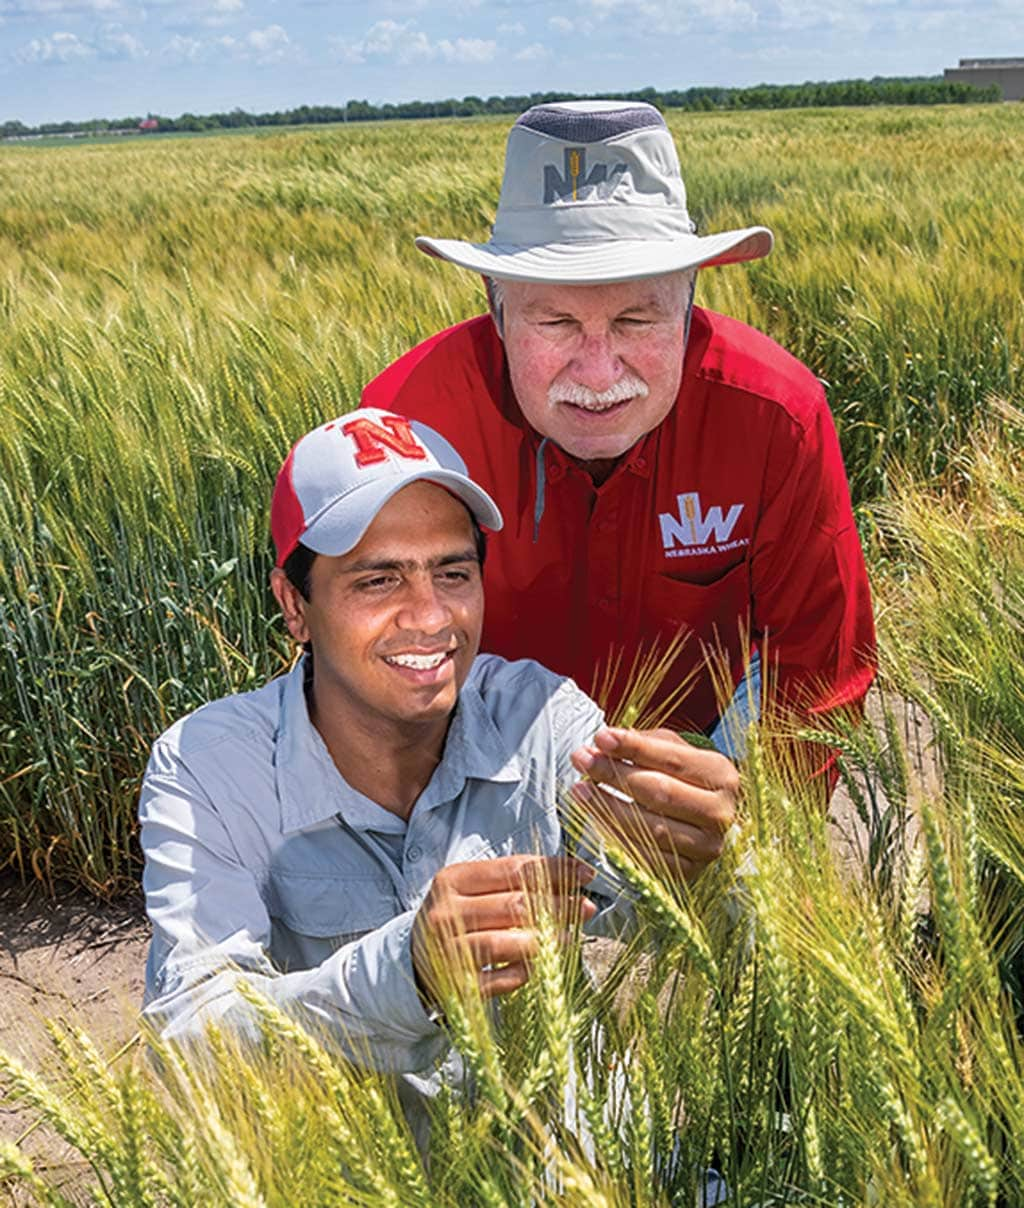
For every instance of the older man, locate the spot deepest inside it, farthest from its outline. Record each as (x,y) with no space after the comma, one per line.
(344,834)
(662,468)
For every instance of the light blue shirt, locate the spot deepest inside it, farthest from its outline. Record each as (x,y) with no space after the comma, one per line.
(263,863)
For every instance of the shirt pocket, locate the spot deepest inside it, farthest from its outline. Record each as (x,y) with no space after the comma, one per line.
(713,613)
(501,818)
(335,908)
(713,619)
(540,836)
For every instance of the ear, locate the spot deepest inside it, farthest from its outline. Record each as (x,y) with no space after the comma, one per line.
(293,606)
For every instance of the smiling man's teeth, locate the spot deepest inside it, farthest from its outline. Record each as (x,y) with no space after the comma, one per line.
(420,662)
(598,406)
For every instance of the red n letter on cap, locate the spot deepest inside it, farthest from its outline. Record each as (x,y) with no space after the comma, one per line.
(371,440)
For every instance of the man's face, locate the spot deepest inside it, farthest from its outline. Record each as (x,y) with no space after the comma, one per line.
(395,623)
(595,367)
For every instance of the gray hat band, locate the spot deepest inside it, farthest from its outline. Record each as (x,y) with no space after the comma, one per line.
(591,124)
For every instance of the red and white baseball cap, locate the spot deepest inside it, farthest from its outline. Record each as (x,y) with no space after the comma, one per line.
(337,478)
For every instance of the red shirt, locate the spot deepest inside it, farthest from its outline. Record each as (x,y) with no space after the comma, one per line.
(732,516)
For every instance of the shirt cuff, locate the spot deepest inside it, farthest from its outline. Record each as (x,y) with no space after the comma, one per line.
(378,971)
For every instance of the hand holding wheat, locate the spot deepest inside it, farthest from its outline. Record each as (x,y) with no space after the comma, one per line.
(476,920)
(667,800)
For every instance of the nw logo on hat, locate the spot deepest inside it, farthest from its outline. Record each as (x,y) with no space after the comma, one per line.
(578,184)
(373,440)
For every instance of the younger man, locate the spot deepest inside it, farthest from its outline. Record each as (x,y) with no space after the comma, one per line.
(328,835)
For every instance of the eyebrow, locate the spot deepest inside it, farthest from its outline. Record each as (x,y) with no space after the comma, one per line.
(407,564)
(542,310)
(648,304)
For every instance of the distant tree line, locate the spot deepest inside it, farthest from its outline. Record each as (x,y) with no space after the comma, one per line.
(917,90)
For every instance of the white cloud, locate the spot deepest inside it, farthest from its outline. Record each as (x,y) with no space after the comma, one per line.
(182,49)
(269,45)
(467,50)
(561,25)
(220,12)
(56,8)
(532,53)
(190,15)
(402,42)
(114,43)
(866,17)
(516,28)
(663,17)
(64,47)
(387,39)
(61,47)
(260,46)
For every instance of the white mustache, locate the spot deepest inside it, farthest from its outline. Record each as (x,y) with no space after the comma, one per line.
(628,386)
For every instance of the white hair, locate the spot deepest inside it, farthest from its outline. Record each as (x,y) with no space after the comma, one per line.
(496,301)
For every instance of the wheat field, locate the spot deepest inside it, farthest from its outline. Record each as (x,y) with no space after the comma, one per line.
(175,312)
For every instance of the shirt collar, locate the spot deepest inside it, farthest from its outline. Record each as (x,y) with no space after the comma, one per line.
(638,459)
(474,750)
(311,790)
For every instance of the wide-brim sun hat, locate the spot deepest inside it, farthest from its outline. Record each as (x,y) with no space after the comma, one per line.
(593,194)
(338,477)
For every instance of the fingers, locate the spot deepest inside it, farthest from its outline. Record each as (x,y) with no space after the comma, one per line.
(663,794)
(557,874)
(476,919)
(685,849)
(488,912)
(493,982)
(509,946)
(665,751)
(665,775)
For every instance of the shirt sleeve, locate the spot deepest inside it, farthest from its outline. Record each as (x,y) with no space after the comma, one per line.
(211,930)
(812,603)
(575,718)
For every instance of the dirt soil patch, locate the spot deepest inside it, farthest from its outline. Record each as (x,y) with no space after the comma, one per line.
(75,960)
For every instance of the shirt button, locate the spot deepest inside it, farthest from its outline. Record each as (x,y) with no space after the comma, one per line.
(556,472)
(639,463)
(607,525)
(606,604)
(413,854)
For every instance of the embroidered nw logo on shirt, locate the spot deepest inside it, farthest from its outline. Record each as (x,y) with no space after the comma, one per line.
(696,531)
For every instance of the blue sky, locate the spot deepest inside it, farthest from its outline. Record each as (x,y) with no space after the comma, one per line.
(109,58)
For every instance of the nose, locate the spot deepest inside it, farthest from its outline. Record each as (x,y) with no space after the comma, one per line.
(596,364)
(424,609)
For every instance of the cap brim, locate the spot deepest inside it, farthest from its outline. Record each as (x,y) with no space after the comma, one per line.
(340,528)
(595,262)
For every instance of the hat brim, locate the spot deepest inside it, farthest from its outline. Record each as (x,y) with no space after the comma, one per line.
(596,262)
(340,528)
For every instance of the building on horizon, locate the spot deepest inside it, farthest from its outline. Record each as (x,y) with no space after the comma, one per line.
(1007,73)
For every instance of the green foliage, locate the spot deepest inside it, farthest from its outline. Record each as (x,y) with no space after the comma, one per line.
(827,1022)
(175,313)
(954,638)
(924,90)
